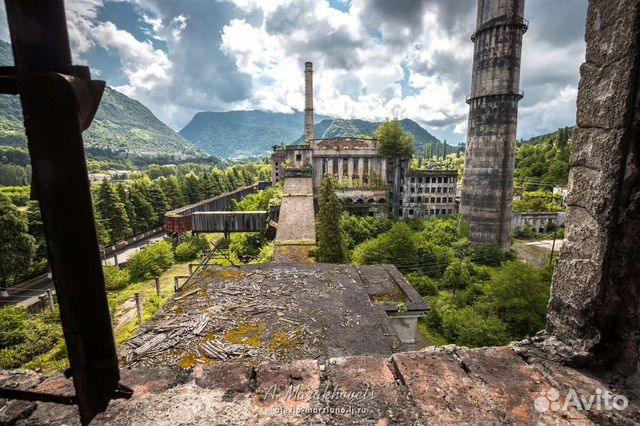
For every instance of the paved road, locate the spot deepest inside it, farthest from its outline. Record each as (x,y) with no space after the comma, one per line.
(28,292)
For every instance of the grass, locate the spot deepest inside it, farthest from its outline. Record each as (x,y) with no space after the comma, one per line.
(432,337)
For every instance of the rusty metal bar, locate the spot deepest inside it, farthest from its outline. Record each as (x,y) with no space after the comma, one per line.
(59,101)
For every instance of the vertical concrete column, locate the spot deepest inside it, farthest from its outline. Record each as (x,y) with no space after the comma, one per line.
(350,171)
(330,166)
(340,165)
(493,114)
(308,102)
(361,170)
(383,171)
(595,297)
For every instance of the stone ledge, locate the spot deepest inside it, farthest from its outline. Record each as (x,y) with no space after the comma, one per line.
(446,385)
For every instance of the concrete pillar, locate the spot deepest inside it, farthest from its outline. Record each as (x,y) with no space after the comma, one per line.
(308,102)
(595,296)
(330,166)
(493,113)
(383,171)
(340,165)
(361,170)
(350,170)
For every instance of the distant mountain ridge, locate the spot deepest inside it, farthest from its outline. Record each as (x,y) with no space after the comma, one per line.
(237,134)
(356,127)
(121,125)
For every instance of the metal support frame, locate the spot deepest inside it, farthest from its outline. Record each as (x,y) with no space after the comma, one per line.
(59,101)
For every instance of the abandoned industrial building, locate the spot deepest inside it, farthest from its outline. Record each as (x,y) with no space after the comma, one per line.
(313,343)
(364,176)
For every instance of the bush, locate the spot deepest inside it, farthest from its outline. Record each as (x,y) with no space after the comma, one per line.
(24,336)
(489,254)
(247,244)
(468,327)
(423,284)
(266,253)
(116,278)
(151,261)
(186,251)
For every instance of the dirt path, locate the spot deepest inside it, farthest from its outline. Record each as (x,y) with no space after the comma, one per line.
(535,253)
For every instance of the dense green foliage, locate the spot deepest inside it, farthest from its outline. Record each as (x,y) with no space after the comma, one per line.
(478,296)
(115,278)
(191,247)
(330,243)
(259,201)
(393,142)
(538,201)
(17,247)
(151,261)
(122,209)
(360,229)
(543,162)
(23,336)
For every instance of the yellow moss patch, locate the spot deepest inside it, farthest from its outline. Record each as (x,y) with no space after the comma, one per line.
(187,361)
(230,273)
(281,343)
(246,334)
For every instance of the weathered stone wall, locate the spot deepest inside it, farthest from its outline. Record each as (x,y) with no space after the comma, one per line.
(594,305)
(493,116)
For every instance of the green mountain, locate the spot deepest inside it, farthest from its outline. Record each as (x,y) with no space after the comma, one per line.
(542,162)
(121,125)
(238,134)
(354,127)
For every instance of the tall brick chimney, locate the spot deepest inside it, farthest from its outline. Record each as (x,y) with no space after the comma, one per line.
(493,116)
(308,102)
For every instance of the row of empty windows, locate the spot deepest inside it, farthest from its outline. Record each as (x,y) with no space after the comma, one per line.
(431,212)
(357,163)
(433,180)
(434,190)
(431,200)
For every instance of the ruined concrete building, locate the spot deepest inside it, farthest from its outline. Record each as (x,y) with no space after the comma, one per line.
(589,349)
(368,183)
(493,114)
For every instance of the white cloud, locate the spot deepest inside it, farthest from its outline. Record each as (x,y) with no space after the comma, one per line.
(249,54)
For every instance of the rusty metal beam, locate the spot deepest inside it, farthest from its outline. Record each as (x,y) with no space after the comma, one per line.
(59,101)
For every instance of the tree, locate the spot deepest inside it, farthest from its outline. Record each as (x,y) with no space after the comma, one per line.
(112,212)
(393,142)
(123,193)
(518,295)
(330,244)
(158,202)
(17,247)
(396,247)
(192,188)
(172,191)
(36,229)
(146,217)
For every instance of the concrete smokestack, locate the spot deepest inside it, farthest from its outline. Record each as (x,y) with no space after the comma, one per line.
(308,102)
(493,116)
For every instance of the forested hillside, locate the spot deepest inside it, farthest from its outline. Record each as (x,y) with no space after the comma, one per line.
(241,134)
(543,162)
(354,128)
(122,125)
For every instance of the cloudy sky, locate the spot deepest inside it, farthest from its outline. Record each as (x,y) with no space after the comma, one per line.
(373,59)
